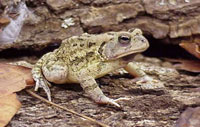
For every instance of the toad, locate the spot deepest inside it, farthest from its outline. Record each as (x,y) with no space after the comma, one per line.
(82,59)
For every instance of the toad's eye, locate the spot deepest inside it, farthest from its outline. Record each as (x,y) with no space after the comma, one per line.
(123,39)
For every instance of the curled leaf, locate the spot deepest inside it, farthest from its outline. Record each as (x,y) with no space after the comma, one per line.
(192,48)
(187,65)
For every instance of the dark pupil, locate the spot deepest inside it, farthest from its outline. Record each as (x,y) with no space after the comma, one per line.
(124,39)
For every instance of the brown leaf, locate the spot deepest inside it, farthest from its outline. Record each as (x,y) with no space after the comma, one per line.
(14,78)
(9,105)
(187,65)
(4,21)
(192,48)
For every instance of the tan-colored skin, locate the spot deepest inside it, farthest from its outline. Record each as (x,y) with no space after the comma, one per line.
(82,59)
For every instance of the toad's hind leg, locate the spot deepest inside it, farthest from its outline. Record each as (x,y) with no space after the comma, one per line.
(39,78)
(56,72)
(49,68)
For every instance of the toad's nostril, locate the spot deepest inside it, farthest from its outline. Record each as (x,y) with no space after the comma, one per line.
(143,40)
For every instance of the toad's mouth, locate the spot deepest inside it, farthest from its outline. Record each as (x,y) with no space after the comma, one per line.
(129,55)
(129,58)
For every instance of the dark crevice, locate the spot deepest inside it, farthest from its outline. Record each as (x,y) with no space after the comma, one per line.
(15,53)
(93,30)
(159,49)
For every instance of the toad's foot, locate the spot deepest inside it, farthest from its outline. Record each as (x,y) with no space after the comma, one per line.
(143,79)
(106,100)
(44,84)
(90,86)
(147,82)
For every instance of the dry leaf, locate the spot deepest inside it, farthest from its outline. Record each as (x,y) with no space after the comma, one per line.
(187,65)
(192,48)
(9,105)
(14,78)
(4,21)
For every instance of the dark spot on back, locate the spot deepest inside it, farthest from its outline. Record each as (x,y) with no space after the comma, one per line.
(74,45)
(81,45)
(77,60)
(100,51)
(89,54)
(90,44)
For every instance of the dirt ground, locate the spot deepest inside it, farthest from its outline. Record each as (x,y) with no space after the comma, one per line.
(148,106)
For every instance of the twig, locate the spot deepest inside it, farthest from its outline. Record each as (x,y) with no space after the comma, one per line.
(66,109)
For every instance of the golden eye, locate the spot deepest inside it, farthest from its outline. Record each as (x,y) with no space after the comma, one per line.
(123,39)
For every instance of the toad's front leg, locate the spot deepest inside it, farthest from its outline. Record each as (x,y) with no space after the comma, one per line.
(141,76)
(91,87)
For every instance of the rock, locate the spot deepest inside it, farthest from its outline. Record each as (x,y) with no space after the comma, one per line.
(119,13)
(60,5)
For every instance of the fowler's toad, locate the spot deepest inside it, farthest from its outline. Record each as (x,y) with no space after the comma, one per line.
(82,59)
